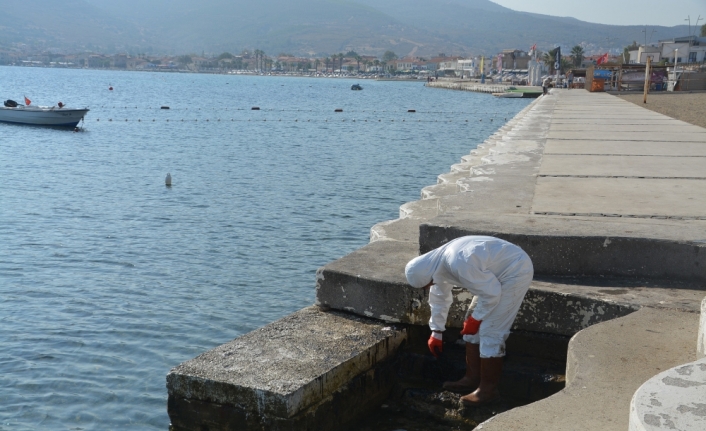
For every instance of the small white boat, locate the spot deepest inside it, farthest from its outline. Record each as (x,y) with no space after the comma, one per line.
(42,115)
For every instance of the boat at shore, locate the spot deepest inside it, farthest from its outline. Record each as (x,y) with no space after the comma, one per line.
(42,115)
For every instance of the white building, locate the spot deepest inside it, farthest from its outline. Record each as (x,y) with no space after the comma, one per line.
(641,54)
(689,49)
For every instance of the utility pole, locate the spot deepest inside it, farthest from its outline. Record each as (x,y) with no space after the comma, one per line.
(648,76)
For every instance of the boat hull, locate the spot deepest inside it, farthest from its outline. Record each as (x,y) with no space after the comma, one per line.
(57,117)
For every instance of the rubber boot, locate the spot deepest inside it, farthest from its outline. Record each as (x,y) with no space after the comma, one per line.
(491,370)
(471,380)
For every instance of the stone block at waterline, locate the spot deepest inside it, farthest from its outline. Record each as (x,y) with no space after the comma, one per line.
(309,370)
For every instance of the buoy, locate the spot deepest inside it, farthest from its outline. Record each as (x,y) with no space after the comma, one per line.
(110,88)
(255,108)
(168,180)
(338,110)
(411,110)
(164,107)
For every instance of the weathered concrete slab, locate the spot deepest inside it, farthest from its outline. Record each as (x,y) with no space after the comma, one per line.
(601,120)
(673,399)
(590,127)
(606,364)
(371,282)
(576,245)
(680,198)
(629,135)
(623,166)
(282,370)
(619,148)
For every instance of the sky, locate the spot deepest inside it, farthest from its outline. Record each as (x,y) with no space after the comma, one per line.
(619,12)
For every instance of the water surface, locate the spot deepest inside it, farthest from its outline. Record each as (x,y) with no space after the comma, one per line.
(108,278)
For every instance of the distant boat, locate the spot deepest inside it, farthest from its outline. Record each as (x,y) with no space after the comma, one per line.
(41,115)
(356,87)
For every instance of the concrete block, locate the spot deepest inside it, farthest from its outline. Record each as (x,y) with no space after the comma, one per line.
(284,373)
(609,246)
(405,229)
(370,282)
(674,399)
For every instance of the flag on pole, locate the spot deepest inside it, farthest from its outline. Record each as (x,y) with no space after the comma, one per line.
(532,50)
(557,58)
(27,101)
(602,59)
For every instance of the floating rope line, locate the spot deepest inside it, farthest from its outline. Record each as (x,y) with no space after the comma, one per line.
(401,111)
(294,120)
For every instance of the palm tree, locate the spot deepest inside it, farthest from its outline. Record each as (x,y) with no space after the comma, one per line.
(317,62)
(548,59)
(566,65)
(577,55)
(358,60)
(340,59)
(377,65)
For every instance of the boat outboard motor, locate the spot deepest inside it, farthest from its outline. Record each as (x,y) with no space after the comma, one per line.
(10,104)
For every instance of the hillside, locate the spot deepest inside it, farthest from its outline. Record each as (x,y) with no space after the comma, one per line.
(300,27)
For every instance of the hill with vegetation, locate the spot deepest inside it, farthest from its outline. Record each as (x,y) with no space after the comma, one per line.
(301,27)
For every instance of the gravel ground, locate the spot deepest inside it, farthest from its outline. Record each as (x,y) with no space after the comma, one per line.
(688,107)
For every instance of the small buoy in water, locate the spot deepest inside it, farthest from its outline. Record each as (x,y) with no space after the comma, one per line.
(338,110)
(168,180)
(164,107)
(255,108)
(110,88)
(411,110)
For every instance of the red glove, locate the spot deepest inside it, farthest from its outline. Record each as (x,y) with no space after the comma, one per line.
(435,345)
(470,326)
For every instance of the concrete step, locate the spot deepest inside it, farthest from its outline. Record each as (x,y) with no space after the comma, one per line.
(309,370)
(419,402)
(606,364)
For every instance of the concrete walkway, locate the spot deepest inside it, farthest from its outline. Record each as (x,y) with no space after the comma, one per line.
(606,156)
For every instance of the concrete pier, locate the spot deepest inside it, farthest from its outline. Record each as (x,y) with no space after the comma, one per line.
(609,201)
(477,87)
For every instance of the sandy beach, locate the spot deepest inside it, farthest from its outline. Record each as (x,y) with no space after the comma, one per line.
(688,107)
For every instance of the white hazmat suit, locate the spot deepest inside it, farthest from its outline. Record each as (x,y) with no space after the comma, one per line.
(496,272)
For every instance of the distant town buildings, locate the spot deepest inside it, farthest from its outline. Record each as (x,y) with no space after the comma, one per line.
(508,62)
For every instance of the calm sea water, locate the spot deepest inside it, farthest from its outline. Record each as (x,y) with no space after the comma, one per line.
(108,278)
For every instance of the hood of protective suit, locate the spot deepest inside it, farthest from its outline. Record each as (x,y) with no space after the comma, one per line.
(420,270)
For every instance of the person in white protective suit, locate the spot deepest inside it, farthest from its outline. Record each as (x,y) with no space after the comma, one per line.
(498,274)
